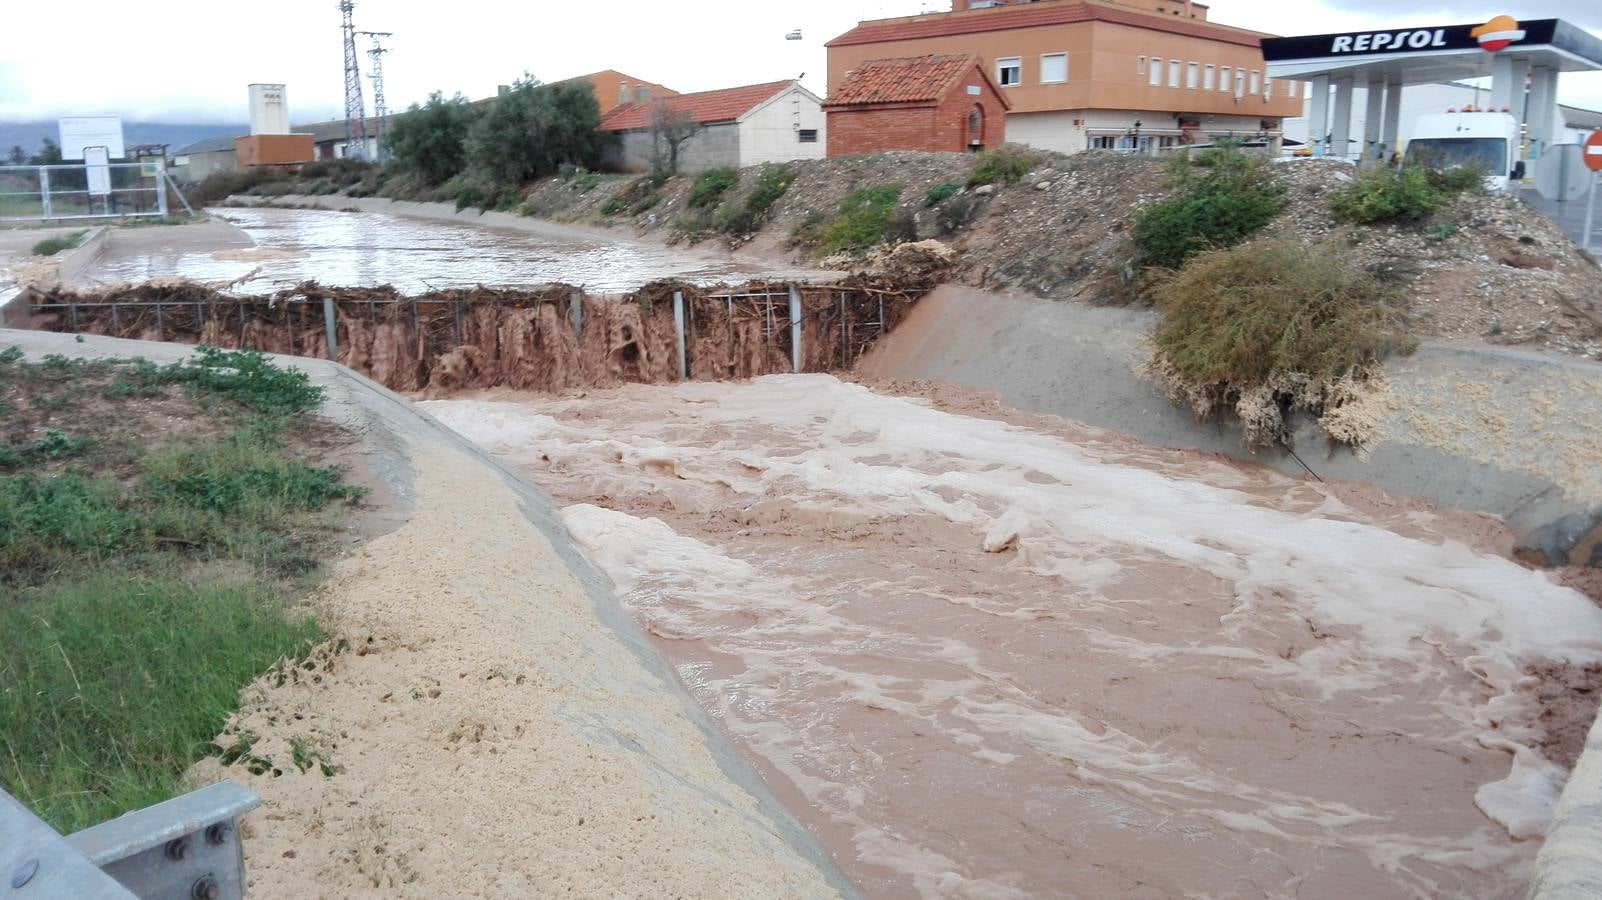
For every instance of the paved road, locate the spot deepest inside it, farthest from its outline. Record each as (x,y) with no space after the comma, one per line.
(1569,216)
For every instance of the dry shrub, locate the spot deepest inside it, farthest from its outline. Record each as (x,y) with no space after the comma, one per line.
(1272,328)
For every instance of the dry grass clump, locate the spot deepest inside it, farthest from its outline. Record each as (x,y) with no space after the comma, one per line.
(1271,328)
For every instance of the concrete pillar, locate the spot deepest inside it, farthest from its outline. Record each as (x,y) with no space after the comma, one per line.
(1507,84)
(1340,130)
(1373,113)
(795,329)
(1390,138)
(1542,109)
(678,331)
(1318,114)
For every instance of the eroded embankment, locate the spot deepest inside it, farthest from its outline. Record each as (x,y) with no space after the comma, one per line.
(546,338)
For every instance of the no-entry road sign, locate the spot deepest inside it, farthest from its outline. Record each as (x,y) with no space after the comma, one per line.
(1593,151)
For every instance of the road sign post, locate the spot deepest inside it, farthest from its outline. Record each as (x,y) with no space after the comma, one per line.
(1593,161)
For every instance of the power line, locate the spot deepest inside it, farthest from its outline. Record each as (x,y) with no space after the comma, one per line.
(380,111)
(355,109)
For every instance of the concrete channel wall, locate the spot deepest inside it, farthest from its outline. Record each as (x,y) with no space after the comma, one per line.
(622,703)
(1497,430)
(70,266)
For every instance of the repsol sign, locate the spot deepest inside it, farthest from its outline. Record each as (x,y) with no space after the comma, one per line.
(1491,36)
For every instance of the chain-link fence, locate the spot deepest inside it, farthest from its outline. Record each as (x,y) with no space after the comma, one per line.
(80,191)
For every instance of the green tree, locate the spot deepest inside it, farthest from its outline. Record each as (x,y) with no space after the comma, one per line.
(533,129)
(49,154)
(431,139)
(17,156)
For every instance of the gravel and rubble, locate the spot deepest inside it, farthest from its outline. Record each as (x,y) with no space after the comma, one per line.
(1484,268)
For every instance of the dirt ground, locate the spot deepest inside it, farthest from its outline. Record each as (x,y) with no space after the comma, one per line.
(1485,268)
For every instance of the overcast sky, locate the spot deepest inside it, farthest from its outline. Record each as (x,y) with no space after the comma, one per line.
(186,60)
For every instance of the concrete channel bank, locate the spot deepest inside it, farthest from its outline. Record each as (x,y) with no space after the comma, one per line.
(1490,429)
(512,732)
(1497,430)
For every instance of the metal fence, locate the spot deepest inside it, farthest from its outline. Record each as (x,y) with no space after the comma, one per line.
(80,191)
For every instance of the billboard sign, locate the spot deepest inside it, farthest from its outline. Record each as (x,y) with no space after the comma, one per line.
(78,132)
(1492,36)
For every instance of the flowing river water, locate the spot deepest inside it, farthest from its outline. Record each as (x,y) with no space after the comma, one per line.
(416,255)
(991,655)
(987,654)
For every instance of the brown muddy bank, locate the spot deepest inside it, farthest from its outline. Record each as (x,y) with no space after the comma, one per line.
(550,337)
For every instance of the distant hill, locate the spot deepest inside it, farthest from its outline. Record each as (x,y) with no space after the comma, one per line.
(174,134)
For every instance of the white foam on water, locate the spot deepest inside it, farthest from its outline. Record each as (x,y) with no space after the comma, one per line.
(1380,605)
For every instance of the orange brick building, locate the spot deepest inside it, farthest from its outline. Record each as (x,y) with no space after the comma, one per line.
(613,89)
(1140,75)
(943,102)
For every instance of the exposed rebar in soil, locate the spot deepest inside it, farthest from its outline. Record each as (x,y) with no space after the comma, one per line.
(551,337)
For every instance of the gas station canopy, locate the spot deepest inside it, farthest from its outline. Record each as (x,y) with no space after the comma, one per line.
(1434,53)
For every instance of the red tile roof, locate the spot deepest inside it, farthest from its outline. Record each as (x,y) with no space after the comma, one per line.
(908,79)
(706,107)
(1035,15)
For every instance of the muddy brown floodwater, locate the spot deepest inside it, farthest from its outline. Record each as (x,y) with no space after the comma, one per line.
(415,255)
(985,658)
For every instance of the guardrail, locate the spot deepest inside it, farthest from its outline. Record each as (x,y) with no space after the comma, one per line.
(184,847)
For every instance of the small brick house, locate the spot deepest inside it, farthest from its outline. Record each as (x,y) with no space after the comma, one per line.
(943,102)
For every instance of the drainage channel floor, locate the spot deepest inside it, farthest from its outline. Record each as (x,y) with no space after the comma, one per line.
(984,654)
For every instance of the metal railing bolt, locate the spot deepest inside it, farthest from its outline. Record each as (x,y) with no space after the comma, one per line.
(205,889)
(218,833)
(176,848)
(24,873)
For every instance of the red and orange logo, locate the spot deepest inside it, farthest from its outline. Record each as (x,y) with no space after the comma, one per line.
(1498,33)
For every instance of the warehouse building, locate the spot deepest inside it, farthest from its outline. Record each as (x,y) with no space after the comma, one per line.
(774,122)
(1142,75)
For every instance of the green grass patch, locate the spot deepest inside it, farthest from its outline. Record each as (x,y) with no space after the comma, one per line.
(747,215)
(114,684)
(145,574)
(711,185)
(1006,164)
(1222,196)
(862,221)
(938,193)
(1410,193)
(53,245)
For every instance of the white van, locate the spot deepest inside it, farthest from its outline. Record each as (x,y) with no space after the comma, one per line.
(1469,137)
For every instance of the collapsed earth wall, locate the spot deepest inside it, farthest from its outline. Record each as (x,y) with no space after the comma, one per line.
(547,338)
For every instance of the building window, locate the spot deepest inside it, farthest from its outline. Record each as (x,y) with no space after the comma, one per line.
(1210,78)
(1140,65)
(807,135)
(1240,83)
(1190,76)
(1103,142)
(1156,77)
(1290,88)
(1255,83)
(1053,68)
(1268,87)
(1009,71)
(1174,66)
(1223,78)
(976,120)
